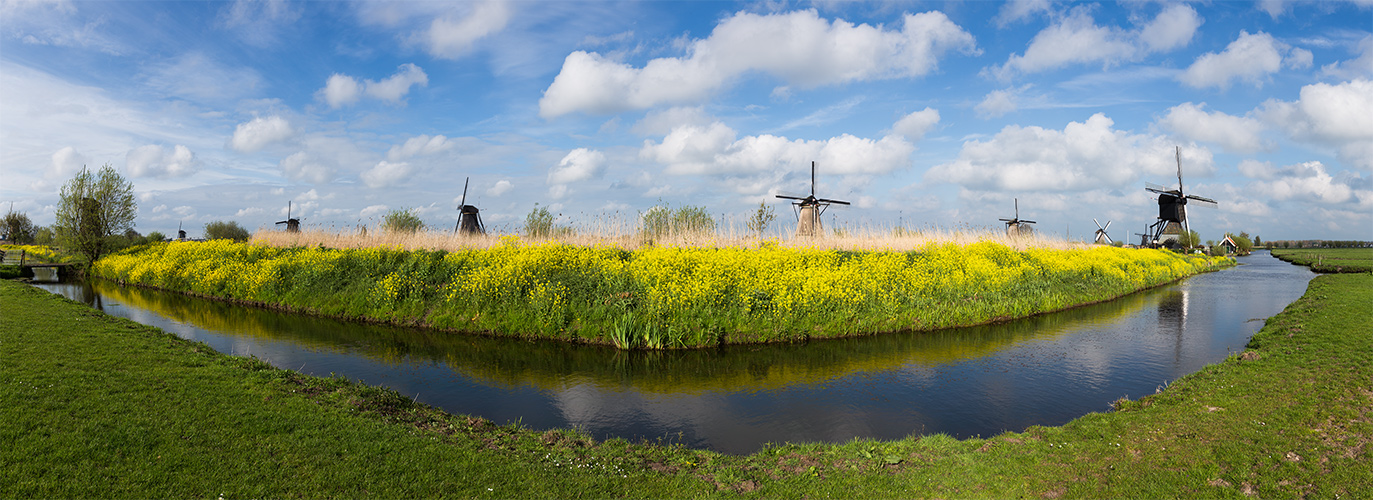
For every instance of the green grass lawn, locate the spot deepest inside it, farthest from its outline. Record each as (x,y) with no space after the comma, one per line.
(1329,260)
(96,406)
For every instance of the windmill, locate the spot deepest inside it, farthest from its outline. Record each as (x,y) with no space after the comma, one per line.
(469,218)
(1017,226)
(810,209)
(1101,237)
(1172,208)
(292,225)
(180,234)
(1144,237)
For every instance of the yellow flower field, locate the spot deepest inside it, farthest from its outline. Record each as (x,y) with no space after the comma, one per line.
(657,296)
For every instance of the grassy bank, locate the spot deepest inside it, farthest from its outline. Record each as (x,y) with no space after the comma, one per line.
(97,406)
(657,297)
(1329,260)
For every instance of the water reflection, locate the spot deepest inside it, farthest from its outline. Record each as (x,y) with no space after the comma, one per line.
(971,381)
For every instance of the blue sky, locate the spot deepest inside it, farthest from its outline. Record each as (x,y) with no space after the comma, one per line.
(922,113)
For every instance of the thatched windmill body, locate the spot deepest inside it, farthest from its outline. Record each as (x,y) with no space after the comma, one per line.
(292,224)
(1016,226)
(809,209)
(1172,209)
(469,218)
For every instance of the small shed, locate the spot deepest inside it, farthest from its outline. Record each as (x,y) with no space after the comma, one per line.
(1229,244)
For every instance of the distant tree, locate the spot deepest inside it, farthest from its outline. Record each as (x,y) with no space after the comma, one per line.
(1258,242)
(1189,239)
(1242,244)
(43,236)
(156,236)
(18,228)
(687,220)
(402,220)
(219,230)
(93,207)
(761,218)
(539,222)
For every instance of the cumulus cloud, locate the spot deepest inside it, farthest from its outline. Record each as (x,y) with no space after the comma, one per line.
(303,166)
(1084,155)
(1339,115)
(578,165)
(716,150)
(1077,39)
(1234,133)
(261,132)
(387,174)
(798,47)
(1250,58)
(1359,67)
(65,163)
(1307,181)
(501,187)
(915,125)
(342,90)
(422,145)
(998,103)
(156,161)
(446,30)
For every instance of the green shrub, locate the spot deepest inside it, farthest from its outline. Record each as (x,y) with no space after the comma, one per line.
(402,221)
(220,230)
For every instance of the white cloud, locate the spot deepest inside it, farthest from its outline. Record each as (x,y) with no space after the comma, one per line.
(1338,115)
(258,22)
(450,37)
(422,145)
(1090,155)
(1307,181)
(998,103)
(1019,10)
(260,132)
(386,174)
(1255,169)
(303,166)
(501,187)
(798,47)
(197,77)
(1173,28)
(65,163)
(1077,39)
(1359,67)
(1250,58)
(915,125)
(155,161)
(374,210)
(580,164)
(714,150)
(342,90)
(1234,133)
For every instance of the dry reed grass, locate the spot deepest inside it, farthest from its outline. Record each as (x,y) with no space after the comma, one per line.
(626,236)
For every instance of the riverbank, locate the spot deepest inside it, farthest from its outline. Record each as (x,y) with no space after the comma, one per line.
(98,406)
(1329,260)
(657,297)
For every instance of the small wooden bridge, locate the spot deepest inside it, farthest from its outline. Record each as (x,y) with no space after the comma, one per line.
(19,258)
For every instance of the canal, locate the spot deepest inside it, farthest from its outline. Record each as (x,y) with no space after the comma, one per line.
(965,382)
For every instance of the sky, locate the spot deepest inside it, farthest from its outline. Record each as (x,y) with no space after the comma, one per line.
(922,114)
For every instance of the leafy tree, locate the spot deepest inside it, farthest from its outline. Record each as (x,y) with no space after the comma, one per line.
(18,228)
(1188,239)
(539,222)
(219,230)
(760,219)
(93,207)
(156,236)
(1258,242)
(43,236)
(402,221)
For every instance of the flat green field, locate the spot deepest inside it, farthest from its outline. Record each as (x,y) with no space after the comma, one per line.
(96,406)
(1329,260)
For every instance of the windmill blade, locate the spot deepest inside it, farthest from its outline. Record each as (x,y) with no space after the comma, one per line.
(1098,224)
(1155,187)
(1108,226)
(837,202)
(790,197)
(1202,203)
(812,178)
(1008,220)
(1201,199)
(464,194)
(1108,238)
(1027,222)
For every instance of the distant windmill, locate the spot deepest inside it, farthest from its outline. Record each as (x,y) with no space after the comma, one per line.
(810,209)
(180,235)
(292,225)
(1017,226)
(469,218)
(1144,237)
(1101,237)
(1172,207)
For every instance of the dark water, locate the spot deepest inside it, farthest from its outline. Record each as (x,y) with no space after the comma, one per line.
(964,382)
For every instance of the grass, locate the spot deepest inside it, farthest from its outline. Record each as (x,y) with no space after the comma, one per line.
(1329,260)
(657,297)
(100,406)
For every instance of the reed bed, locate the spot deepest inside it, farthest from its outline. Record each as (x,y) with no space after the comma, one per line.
(672,292)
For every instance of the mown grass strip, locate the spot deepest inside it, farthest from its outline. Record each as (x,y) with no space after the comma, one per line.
(657,297)
(1329,260)
(99,406)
